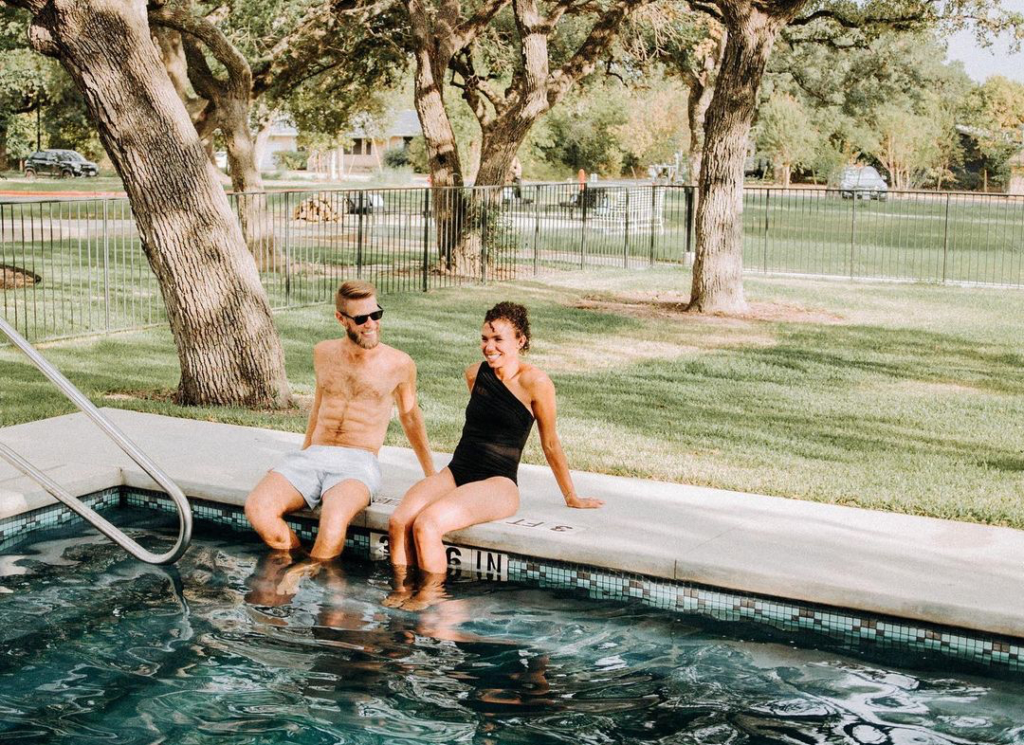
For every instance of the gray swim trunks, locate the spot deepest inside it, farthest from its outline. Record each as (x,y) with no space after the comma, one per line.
(319,467)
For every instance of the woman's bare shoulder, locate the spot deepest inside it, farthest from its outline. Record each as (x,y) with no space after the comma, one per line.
(533,378)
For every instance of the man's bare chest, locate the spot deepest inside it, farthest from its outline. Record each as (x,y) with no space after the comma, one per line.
(370,383)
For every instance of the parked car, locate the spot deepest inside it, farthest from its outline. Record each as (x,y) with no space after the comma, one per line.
(61,163)
(861,182)
(364,203)
(593,198)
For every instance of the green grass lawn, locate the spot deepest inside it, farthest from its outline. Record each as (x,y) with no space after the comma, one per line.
(900,397)
(15,182)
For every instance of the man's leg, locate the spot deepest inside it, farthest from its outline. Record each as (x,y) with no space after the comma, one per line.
(340,504)
(272,499)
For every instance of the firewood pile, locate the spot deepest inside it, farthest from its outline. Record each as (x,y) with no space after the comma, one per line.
(12,277)
(316,210)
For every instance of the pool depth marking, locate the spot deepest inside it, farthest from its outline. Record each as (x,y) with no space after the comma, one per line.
(478,562)
(525,522)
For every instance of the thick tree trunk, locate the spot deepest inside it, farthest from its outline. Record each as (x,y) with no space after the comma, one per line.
(262,138)
(443,157)
(501,142)
(700,95)
(476,241)
(219,315)
(247,183)
(718,269)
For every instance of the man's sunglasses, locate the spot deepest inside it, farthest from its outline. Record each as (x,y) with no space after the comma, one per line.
(363,318)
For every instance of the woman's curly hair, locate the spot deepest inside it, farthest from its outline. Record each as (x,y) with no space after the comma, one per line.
(516,315)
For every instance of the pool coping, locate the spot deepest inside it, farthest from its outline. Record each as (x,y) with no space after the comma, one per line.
(942,572)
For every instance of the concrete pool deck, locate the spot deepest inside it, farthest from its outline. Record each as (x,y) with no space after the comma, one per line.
(938,571)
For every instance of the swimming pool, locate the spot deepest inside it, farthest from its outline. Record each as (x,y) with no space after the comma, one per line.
(235,645)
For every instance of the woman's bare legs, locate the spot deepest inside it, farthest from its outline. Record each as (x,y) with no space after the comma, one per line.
(423,494)
(470,504)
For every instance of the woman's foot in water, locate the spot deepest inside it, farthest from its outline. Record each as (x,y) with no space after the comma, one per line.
(430,592)
(402,587)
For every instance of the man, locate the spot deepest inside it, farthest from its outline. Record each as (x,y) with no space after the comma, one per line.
(357,379)
(517,178)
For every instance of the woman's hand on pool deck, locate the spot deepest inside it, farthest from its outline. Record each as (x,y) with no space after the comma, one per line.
(583,503)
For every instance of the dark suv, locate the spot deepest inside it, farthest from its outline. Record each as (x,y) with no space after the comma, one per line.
(62,163)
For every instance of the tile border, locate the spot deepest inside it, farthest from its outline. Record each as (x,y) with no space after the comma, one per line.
(837,627)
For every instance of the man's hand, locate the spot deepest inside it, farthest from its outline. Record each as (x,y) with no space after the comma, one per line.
(583,503)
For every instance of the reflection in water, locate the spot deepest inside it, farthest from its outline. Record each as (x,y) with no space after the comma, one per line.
(248,646)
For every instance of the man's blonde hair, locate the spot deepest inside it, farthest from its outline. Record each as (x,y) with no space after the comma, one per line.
(353,289)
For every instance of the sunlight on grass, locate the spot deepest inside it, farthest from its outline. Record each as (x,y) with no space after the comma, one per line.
(899,397)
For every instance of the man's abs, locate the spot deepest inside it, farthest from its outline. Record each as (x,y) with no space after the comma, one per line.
(354,424)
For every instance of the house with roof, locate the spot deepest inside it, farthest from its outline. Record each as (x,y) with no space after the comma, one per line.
(369,141)
(283,137)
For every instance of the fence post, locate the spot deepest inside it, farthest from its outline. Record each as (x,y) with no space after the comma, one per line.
(625,241)
(426,236)
(691,193)
(654,207)
(483,235)
(945,242)
(583,228)
(360,209)
(287,247)
(106,268)
(536,228)
(764,243)
(853,231)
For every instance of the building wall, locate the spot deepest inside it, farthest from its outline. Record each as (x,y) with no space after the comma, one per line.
(276,144)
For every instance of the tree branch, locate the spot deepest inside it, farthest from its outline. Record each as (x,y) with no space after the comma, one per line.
(468,30)
(239,80)
(199,73)
(475,91)
(556,13)
(708,9)
(612,74)
(317,23)
(32,6)
(852,23)
(600,39)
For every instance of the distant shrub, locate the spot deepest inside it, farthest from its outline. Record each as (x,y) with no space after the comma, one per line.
(396,157)
(416,154)
(292,160)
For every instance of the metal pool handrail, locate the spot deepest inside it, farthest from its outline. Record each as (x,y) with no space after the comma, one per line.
(131,450)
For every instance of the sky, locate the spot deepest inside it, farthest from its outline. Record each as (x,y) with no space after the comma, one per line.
(981,63)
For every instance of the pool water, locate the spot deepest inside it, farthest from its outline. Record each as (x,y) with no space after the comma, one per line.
(236,645)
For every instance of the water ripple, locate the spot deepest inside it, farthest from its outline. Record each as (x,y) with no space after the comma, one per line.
(237,646)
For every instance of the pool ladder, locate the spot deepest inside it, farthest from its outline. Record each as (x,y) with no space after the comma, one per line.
(103,525)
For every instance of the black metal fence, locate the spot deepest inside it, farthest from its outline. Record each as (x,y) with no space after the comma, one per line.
(947,237)
(77,267)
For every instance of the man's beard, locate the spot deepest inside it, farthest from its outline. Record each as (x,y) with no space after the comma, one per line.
(359,340)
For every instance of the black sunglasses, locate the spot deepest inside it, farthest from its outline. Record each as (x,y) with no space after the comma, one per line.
(361,319)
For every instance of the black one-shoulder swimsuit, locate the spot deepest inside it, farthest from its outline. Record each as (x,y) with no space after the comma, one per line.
(497,427)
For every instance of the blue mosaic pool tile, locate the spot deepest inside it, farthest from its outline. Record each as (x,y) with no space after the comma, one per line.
(844,627)
(17,528)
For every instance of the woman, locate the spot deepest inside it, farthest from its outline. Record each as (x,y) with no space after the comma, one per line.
(479,485)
